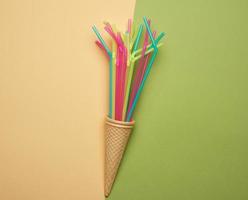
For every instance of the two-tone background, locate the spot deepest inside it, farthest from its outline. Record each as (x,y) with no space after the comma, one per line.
(191,136)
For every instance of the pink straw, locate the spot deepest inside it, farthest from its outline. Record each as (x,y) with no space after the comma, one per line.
(120,76)
(129,26)
(99,44)
(117,107)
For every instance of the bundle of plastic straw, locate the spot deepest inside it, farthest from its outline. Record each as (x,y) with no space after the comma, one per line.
(130,62)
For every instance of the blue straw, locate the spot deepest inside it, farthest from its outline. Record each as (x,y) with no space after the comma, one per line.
(154,44)
(110,68)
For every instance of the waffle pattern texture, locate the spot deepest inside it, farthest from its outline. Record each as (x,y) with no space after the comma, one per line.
(116,139)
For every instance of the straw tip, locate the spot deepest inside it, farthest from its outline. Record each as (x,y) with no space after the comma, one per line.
(94,27)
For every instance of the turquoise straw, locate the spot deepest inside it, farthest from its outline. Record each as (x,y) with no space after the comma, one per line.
(138,38)
(110,68)
(102,41)
(160,36)
(154,44)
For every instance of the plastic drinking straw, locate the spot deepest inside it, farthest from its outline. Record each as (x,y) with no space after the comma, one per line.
(139,75)
(148,51)
(101,40)
(110,87)
(110,67)
(99,44)
(144,68)
(150,47)
(134,85)
(119,84)
(129,25)
(154,44)
(128,47)
(117,81)
(124,83)
(121,69)
(122,78)
(113,33)
(137,39)
(133,60)
(130,74)
(134,33)
(114,49)
(126,70)
(130,101)
(145,63)
(110,31)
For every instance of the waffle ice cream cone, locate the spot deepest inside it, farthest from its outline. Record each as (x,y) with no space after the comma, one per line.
(116,138)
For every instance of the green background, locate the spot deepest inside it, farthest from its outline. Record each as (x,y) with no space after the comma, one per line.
(191,136)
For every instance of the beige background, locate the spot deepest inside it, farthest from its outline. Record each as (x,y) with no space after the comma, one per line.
(53,97)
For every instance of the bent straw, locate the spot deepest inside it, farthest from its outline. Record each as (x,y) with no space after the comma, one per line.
(130,74)
(136,43)
(133,60)
(112,31)
(99,44)
(150,47)
(127,70)
(117,69)
(128,59)
(134,33)
(154,44)
(134,85)
(148,51)
(119,78)
(129,26)
(123,73)
(140,70)
(114,50)
(110,67)
(146,58)
(101,40)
